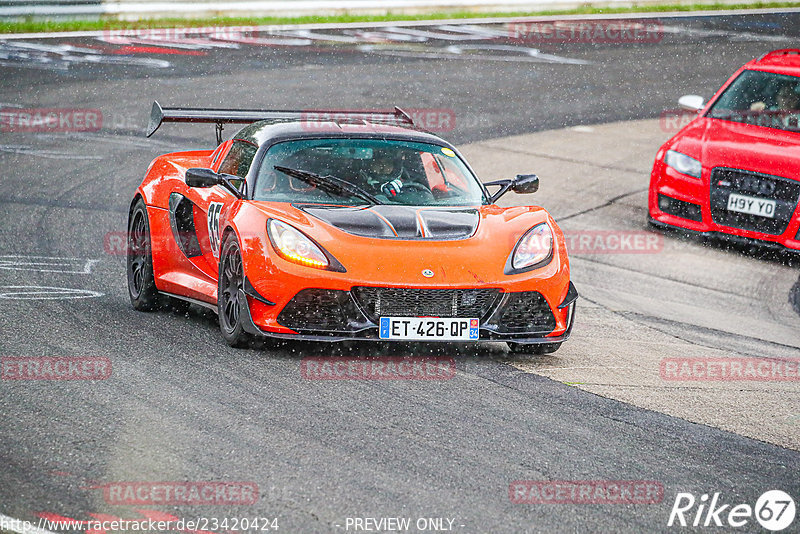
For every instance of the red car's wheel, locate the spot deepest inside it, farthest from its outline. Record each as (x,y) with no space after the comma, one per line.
(141,283)
(229,291)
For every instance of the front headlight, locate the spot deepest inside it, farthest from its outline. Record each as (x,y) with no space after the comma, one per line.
(292,245)
(683,163)
(535,248)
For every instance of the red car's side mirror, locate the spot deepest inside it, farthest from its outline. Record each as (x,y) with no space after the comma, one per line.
(198,177)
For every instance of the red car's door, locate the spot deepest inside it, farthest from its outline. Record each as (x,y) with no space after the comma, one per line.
(196,212)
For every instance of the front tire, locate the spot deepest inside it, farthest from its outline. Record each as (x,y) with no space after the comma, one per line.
(141,282)
(229,293)
(535,349)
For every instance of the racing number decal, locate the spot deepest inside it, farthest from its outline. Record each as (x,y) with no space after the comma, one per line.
(214,210)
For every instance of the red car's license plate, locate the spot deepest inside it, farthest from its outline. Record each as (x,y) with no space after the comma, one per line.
(429,328)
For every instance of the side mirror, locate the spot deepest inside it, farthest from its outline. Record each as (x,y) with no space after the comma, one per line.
(691,102)
(525,184)
(198,177)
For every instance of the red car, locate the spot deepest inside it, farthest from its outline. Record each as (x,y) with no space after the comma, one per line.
(359,226)
(734,171)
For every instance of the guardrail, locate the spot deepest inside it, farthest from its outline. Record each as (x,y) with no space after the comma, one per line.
(21,9)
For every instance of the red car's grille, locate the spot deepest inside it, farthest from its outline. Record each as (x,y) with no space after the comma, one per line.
(398,302)
(331,312)
(322,310)
(526,312)
(783,191)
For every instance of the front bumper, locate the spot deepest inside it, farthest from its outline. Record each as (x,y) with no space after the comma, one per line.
(698,205)
(334,315)
(725,237)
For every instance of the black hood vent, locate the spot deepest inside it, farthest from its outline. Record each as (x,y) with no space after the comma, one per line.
(399,222)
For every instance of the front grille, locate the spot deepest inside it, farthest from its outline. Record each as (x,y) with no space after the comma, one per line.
(323,310)
(526,312)
(397,302)
(783,191)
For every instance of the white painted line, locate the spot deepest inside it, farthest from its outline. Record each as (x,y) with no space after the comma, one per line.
(524,51)
(427,23)
(536,369)
(20,527)
(527,55)
(731,35)
(45,293)
(47,264)
(49,154)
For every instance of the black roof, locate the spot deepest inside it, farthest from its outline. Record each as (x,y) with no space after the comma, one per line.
(271,131)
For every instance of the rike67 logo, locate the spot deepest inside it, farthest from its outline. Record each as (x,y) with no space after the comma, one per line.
(774,510)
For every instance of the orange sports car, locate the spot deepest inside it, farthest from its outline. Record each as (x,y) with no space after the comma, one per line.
(344,225)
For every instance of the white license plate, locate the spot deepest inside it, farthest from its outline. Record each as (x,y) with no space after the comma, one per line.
(762,207)
(429,328)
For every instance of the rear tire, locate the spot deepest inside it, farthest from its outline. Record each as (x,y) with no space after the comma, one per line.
(535,349)
(231,282)
(141,282)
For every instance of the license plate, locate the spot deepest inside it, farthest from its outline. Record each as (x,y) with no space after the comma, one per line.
(429,328)
(751,205)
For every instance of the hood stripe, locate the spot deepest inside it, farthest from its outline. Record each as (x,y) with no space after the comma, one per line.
(388,223)
(423,228)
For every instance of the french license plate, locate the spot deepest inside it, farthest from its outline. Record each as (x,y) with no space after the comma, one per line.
(429,328)
(751,205)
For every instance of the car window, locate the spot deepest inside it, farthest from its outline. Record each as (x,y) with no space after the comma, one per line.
(761,98)
(217,153)
(422,174)
(239,159)
(452,176)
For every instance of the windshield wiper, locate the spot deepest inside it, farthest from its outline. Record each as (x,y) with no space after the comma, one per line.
(330,184)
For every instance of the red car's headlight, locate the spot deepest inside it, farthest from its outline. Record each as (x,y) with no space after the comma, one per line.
(683,164)
(293,245)
(534,249)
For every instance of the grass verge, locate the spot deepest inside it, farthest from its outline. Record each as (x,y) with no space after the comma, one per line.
(37,26)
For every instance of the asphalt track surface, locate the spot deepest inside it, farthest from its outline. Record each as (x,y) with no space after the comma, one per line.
(181,406)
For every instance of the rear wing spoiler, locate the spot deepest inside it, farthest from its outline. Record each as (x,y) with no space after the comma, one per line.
(159,115)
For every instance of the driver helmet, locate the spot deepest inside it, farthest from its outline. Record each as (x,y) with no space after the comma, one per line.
(385,167)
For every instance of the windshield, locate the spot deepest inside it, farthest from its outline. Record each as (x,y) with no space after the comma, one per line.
(393,172)
(761,98)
